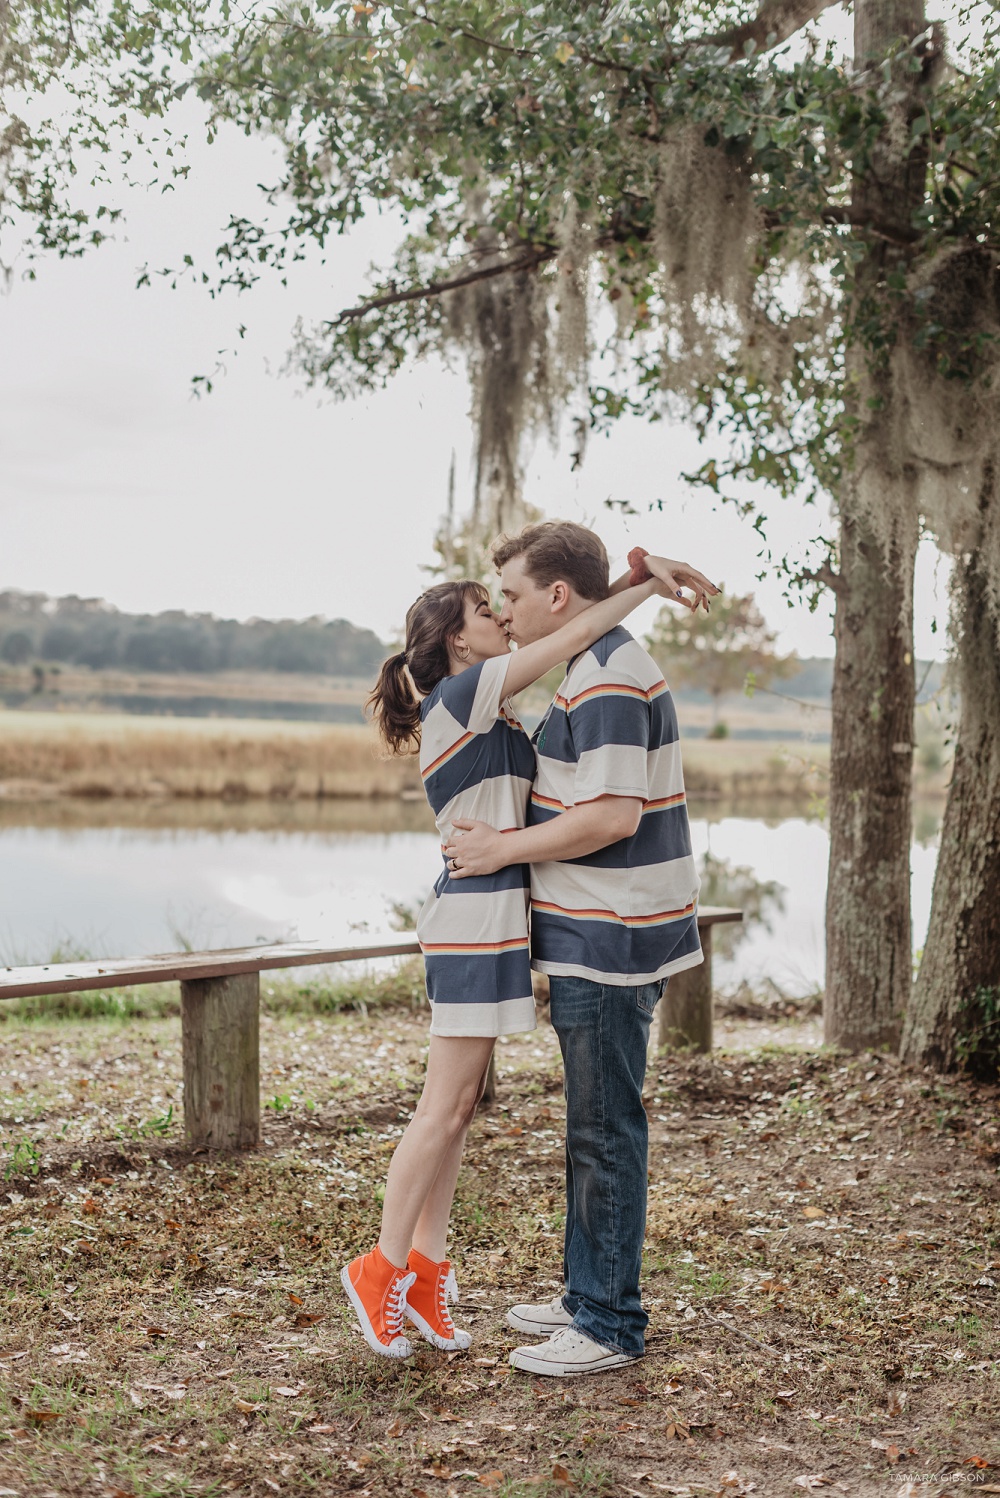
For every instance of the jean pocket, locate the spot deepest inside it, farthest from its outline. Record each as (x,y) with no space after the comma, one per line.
(647,997)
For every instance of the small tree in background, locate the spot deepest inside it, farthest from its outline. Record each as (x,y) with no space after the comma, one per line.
(717,651)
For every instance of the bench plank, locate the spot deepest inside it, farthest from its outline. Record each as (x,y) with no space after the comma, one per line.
(185,967)
(121,972)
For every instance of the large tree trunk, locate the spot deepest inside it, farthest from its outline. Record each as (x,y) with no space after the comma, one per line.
(955,1013)
(869,951)
(869,948)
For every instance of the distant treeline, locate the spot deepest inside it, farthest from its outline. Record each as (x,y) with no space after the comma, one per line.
(36,629)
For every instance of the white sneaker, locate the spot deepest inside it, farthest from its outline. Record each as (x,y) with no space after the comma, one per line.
(540,1321)
(567,1354)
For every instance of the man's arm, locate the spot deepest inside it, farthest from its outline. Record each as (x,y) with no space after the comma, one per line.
(478,848)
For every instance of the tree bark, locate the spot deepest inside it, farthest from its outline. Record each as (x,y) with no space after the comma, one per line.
(868,941)
(955,1014)
(869,951)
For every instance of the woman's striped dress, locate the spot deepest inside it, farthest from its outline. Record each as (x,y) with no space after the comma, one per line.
(477,763)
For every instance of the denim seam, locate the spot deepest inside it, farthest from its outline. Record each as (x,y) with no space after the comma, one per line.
(612,1174)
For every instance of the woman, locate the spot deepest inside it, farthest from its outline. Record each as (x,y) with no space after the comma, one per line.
(477,763)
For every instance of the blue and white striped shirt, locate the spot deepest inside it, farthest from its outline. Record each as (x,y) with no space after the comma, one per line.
(626,914)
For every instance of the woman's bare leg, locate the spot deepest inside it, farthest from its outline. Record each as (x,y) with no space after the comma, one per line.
(456,1067)
(430,1235)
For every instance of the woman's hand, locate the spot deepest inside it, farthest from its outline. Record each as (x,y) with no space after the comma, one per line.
(475,850)
(677,575)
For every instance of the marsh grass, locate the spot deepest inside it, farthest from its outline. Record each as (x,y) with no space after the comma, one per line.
(100,756)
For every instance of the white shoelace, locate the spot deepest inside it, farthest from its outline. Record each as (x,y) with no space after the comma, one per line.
(397,1300)
(447,1287)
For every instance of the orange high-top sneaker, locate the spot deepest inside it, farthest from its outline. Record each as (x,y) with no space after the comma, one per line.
(377,1291)
(427,1303)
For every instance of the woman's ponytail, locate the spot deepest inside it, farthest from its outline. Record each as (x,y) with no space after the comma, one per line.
(435,618)
(395,707)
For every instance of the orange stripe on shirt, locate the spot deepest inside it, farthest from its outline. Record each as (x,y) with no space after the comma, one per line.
(437,947)
(661,917)
(448,753)
(611,689)
(663,801)
(550,801)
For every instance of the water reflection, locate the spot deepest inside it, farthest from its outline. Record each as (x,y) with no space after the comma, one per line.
(113,878)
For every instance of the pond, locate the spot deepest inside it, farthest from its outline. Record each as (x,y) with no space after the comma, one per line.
(113,879)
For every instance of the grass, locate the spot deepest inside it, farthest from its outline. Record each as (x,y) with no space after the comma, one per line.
(103,756)
(99,756)
(328,991)
(822,1305)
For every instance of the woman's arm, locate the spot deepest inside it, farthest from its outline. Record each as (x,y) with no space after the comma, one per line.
(532,661)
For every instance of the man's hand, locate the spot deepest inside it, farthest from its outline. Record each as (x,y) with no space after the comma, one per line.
(474,850)
(477,848)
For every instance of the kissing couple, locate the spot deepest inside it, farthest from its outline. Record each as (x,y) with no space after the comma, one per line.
(567,852)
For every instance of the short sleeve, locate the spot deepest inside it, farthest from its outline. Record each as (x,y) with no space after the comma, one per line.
(610,722)
(473,697)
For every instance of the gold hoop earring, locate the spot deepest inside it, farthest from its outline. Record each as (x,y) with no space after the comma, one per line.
(468,652)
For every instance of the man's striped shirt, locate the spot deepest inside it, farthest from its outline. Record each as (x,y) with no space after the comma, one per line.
(626,914)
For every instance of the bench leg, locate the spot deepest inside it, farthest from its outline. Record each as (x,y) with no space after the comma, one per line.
(686,1006)
(220,1030)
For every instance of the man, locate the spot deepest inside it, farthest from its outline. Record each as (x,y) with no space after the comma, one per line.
(613,914)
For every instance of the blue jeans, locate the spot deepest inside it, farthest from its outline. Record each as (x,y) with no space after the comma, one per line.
(603,1035)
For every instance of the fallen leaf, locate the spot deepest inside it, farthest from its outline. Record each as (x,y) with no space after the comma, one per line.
(90,1207)
(136,1399)
(438,1470)
(172,1225)
(295,1299)
(105,1181)
(446,1417)
(785,1396)
(157,1331)
(561,1475)
(812,1212)
(41,1417)
(485,1362)
(307,1318)
(812,1480)
(320,1430)
(246,1407)
(490,1479)
(397,1427)
(287,1391)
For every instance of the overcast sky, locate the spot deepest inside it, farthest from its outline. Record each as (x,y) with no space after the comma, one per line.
(262,498)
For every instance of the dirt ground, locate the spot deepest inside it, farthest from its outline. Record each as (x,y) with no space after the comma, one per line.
(821,1274)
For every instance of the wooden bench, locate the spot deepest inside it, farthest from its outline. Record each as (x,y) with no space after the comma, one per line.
(220,1008)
